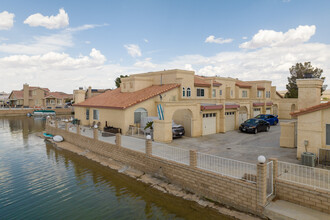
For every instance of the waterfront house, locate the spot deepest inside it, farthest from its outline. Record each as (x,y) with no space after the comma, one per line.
(203,105)
(37,97)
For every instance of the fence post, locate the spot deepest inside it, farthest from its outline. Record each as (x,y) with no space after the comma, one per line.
(262,184)
(66,126)
(193,158)
(56,123)
(149,147)
(78,129)
(275,171)
(118,139)
(96,133)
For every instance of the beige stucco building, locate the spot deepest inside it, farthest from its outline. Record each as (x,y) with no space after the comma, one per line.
(37,97)
(203,105)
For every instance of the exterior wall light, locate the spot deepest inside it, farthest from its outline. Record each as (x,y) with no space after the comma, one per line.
(148,137)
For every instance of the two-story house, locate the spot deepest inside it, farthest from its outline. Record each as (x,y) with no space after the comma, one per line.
(203,105)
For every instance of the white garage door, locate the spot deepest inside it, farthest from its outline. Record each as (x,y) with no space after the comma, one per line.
(230,121)
(209,123)
(256,111)
(268,110)
(242,117)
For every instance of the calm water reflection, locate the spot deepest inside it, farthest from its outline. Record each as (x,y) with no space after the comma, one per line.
(38,181)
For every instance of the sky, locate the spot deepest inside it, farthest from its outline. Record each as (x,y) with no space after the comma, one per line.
(63,45)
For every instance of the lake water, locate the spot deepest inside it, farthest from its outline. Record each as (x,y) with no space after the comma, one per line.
(38,181)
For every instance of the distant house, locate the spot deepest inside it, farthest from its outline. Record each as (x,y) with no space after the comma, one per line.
(38,97)
(3,98)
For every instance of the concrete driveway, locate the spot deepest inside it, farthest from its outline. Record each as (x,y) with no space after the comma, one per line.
(241,146)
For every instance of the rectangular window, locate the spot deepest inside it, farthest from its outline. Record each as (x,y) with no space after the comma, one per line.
(200,92)
(59,101)
(87,114)
(95,114)
(231,93)
(268,94)
(214,92)
(328,134)
(259,94)
(220,92)
(52,101)
(183,92)
(244,94)
(34,92)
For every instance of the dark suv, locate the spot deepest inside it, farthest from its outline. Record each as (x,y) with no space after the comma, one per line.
(177,130)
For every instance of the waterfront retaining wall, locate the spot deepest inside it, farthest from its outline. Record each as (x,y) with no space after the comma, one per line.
(222,189)
(303,195)
(24,111)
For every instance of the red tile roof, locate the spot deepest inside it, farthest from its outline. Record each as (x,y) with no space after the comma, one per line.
(311,109)
(122,100)
(201,82)
(58,95)
(242,84)
(17,94)
(211,107)
(258,104)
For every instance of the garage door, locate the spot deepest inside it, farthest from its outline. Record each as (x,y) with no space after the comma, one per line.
(209,123)
(242,117)
(268,110)
(256,111)
(230,121)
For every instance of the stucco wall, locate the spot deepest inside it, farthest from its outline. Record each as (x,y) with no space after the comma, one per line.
(312,127)
(287,138)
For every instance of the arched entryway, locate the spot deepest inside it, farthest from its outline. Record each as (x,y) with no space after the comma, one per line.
(184,117)
(243,114)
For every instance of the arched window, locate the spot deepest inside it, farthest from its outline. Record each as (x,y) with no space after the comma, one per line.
(138,114)
(188,92)
(183,92)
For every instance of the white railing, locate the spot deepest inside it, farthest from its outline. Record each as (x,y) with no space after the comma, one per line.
(133,143)
(304,175)
(61,125)
(270,178)
(227,167)
(176,154)
(107,137)
(72,128)
(138,132)
(86,131)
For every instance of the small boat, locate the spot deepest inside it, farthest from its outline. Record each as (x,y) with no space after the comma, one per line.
(43,112)
(58,138)
(48,136)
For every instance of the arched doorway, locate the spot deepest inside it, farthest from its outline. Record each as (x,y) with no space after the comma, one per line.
(138,114)
(183,117)
(243,114)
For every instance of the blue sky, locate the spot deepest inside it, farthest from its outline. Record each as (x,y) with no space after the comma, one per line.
(92,42)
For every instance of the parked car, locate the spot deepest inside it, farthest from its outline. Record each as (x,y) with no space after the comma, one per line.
(272,119)
(254,125)
(177,130)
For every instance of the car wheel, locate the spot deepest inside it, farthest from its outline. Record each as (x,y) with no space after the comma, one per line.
(255,130)
(267,128)
(275,122)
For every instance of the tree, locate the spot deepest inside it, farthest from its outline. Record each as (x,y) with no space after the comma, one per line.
(298,71)
(118,80)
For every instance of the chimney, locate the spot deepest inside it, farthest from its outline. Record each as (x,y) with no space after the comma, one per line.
(89,92)
(309,92)
(26,95)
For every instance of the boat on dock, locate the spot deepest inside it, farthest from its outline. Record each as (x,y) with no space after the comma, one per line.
(43,112)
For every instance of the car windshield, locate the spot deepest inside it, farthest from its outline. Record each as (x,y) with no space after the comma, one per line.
(261,116)
(251,121)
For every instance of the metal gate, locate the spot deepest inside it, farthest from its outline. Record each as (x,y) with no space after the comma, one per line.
(270,181)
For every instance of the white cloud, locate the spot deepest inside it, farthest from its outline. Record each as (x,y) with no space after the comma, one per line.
(61,20)
(244,38)
(86,27)
(212,39)
(273,38)
(133,50)
(6,20)
(146,40)
(40,44)
(146,63)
